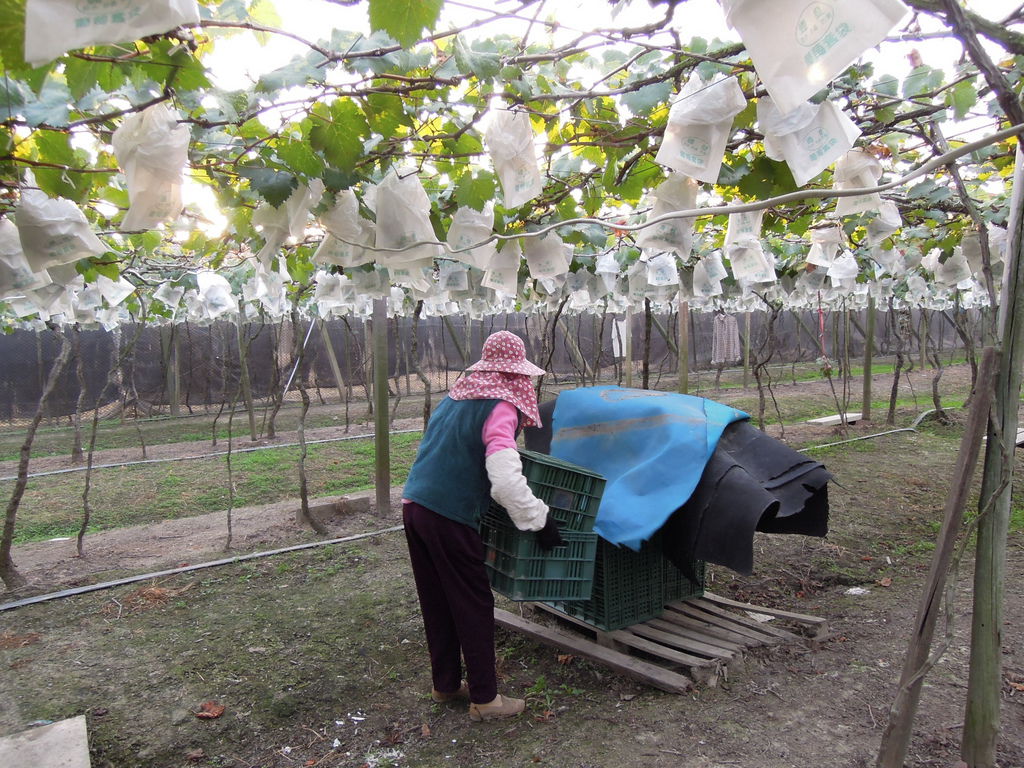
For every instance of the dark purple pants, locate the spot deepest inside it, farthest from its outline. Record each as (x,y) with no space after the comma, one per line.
(456,600)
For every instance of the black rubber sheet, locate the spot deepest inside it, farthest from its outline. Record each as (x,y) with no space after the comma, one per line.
(752,482)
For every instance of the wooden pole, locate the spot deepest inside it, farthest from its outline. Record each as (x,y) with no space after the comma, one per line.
(922,338)
(173,385)
(869,352)
(746,350)
(627,351)
(332,358)
(896,737)
(368,376)
(984,685)
(243,378)
(683,347)
(382,445)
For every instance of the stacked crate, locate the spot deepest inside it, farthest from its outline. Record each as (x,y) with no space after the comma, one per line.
(518,568)
(631,587)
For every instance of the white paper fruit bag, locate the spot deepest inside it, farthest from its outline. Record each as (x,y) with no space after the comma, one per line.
(677,193)
(469,227)
(53,231)
(15,274)
(797,46)
(349,235)
(53,27)
(855,170)
(503,272)
(809,138)
(403,218)
(743,248)
(278,223)
(545,256)
(152,148)
(510,142)
(699,125)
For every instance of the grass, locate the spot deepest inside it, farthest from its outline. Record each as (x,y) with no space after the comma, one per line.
(56,440)
(123,496)
(804,409)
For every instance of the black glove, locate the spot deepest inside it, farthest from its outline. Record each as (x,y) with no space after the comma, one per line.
(548,537)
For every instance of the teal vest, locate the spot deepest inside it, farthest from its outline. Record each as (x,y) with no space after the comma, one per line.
(449,475)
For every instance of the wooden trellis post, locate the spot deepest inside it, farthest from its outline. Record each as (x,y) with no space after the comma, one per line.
(627,347)
(683,346)
(243,377)
(869,352)
(984,687)
(332,358)
(169,342)
(896,737)
(746,351)
(381,438)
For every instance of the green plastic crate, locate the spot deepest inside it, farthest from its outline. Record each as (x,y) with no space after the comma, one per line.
(572,493)
(631,587)
(679,586)
(520,570)
(628,587)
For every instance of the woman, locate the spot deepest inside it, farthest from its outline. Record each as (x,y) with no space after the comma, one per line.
(468,456)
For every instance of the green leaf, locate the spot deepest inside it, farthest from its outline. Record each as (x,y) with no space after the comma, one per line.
(55,147)
(733,169)
(13,96)
(767,178)
(385,112)
(475,191)
(273,186)
(483,64)
(337,180)
(170,64)
(299,157)
(593,199)
(12,35)
(301,70)
(961,97)
(340,133)
(746,118)
(642,101)
(264,13)
(887,85)
(567,208)
(232,10)
(51,107)
(643,175)
(921,80)
(404,20)
(566,165)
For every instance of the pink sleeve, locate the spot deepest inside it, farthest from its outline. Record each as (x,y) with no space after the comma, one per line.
(500,428)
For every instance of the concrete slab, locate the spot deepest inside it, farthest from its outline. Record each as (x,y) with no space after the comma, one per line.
(836,420)
(64,744)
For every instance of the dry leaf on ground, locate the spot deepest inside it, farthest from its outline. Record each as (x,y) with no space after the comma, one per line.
(208,710)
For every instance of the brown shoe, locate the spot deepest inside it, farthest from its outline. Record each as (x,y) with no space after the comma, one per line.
(443,698)
(502,706)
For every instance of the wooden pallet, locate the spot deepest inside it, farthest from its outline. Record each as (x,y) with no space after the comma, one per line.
(693,641)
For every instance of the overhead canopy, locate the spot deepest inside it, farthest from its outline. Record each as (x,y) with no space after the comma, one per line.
(488,161)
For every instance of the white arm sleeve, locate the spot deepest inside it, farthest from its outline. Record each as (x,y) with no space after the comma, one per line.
(509,488)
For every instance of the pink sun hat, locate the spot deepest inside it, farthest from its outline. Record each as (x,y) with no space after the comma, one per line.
(505,352)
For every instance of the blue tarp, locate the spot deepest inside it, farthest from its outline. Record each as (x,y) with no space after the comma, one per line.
(651,447)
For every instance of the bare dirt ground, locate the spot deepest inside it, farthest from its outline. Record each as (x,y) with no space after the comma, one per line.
(318,658)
